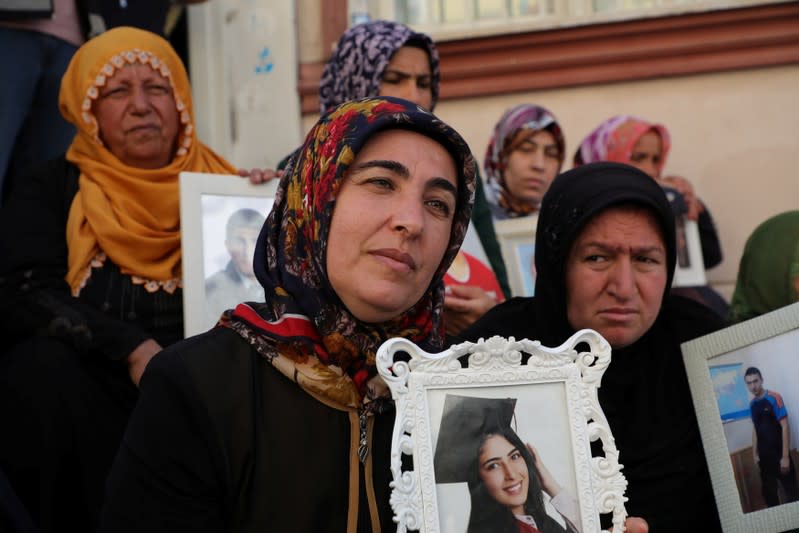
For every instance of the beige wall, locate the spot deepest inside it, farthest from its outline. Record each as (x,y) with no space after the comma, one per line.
(734,135)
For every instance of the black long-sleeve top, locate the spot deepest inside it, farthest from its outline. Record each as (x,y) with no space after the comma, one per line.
(110,317)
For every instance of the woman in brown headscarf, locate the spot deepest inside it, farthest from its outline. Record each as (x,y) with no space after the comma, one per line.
(90,266)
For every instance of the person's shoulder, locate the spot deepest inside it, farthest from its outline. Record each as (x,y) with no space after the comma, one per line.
(511,318)
(690,318)
(218,350)
(776,398)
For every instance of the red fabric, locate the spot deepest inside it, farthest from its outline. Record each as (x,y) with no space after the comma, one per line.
(479,275)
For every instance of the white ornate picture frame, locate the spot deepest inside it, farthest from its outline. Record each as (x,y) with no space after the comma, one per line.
(556,410)
(206,202)
(769,343)
(516,238)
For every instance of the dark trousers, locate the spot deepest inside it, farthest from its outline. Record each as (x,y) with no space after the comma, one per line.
(769,476)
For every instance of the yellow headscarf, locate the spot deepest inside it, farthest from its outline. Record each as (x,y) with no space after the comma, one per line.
(129,214)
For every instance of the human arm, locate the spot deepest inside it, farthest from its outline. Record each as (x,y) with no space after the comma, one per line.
(755,455)
(464,305)
(35,299)
(698,212)
(785,459)
(165,476)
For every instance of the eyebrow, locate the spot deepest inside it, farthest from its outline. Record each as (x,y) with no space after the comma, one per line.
(404,74)
(401,170)
(635,250)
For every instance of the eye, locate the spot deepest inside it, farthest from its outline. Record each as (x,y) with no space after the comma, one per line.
(158,90)
(116,92)
(441,207)
(552,152)
(380,183)
(392,77)
(424,82)
(647,259)
(595,258)
(516,455)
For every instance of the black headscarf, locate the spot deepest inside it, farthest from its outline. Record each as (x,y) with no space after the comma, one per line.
(573,199)
(644,392)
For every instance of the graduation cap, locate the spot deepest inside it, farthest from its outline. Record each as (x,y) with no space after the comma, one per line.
(464,422)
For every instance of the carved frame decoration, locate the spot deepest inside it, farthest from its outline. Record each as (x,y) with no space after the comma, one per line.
(496,369)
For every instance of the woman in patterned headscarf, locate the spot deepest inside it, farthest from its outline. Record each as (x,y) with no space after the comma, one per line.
(276,420)
(768,274)
(524,155)
(381,58)
(644,145)
(90,271)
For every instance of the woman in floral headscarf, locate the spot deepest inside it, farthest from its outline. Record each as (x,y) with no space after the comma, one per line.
(524,155)
(276,420)
(90,271)
(644,145)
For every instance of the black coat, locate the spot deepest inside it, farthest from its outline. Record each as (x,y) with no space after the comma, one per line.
(221,441)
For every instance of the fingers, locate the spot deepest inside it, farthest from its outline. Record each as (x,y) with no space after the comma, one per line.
(259,175)
(635,524)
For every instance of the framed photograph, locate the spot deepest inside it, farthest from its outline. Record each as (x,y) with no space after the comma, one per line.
(483,453)
(516,238)
(690,271)
(221,217)
(743,382)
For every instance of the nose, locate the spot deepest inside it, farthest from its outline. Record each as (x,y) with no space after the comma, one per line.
(408,215)
(411,91)
(538,159)
(621,282)
(139,101)
(507,471)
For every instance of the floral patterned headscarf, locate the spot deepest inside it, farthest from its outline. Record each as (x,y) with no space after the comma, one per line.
(614,140)
(356,68)
(521,117)
(304,329)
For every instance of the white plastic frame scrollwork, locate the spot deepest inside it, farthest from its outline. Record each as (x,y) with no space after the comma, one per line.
(498,363)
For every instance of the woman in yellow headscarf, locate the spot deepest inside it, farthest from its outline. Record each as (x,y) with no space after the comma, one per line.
(90,271)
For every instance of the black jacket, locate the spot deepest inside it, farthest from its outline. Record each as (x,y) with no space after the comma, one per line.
(221,441)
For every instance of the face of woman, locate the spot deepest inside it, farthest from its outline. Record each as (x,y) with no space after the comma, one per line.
(408,76)
(616,275)
(137,117)
(391,224)
(531,167)
(504,473)
(647,154)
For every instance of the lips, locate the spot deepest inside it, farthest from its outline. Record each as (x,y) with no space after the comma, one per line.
(395,258)
(514,489)
(143,127)
(619,314)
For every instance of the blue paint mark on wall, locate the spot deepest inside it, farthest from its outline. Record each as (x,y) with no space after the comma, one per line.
(264,65)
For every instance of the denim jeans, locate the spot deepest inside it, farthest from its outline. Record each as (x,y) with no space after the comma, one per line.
(32,129)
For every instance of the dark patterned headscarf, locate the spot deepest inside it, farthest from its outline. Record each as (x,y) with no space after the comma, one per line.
(527,117)
(304,329)
(356,68)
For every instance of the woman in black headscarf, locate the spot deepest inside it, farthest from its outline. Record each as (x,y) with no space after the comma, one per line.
(605,257)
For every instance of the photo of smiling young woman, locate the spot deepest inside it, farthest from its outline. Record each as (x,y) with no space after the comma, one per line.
(500,468)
